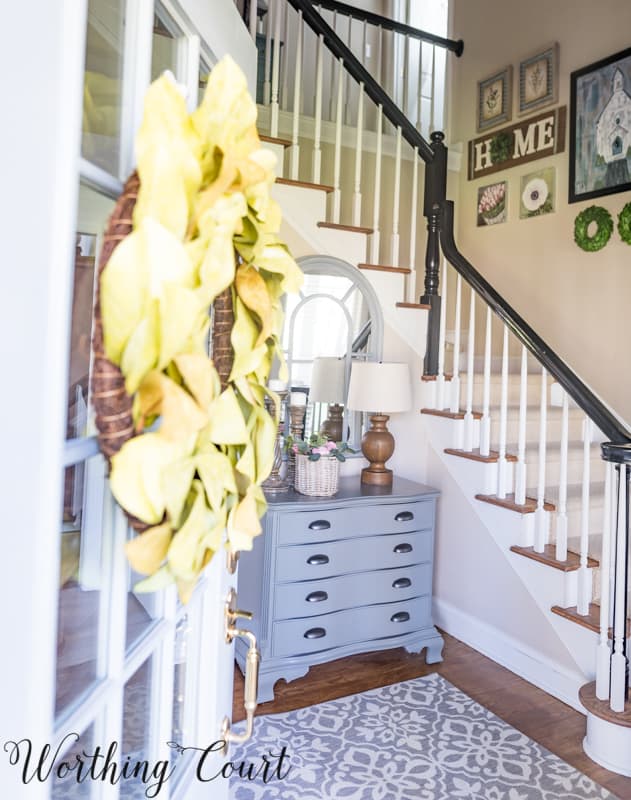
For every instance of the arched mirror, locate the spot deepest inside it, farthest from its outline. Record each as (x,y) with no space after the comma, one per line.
(335,320)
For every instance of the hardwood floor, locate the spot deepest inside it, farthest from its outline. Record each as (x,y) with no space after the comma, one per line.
(548,721)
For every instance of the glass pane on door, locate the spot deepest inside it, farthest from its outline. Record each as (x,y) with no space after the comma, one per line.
(167,47)
(76,785)
(102,88)
(79,643)
(138,704)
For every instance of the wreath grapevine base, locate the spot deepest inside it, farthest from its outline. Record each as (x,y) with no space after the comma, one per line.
(602,234)
(624,224)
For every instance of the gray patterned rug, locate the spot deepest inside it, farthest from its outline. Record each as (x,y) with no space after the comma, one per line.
(422,739)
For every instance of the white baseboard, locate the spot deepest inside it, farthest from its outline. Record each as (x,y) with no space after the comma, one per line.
(503,649)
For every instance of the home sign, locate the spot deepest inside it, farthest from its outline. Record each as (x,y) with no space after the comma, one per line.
(533,138)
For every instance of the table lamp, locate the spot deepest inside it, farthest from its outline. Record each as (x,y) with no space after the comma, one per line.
(382,389)
(327,386)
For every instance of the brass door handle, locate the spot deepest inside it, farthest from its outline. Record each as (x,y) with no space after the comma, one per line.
(252,663)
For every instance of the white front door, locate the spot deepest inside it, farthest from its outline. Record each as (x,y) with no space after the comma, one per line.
(129,689)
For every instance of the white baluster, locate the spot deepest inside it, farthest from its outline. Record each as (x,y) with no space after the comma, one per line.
(502,466)
(411,278)
(337,159)
(267,84)
(485,422)
(431,123)
(253,18)
(406,75)
(317,152)
(294,156)
(394,249)
(541,518)
(468,417)
(440,378)
(561,515)
(455,379)
(520,470)
(585,574)
(275,70)
(376,200)
(284,95)
(603,651)
(332,94)
(357,194)
(618,659)
(349,91)
(419,99)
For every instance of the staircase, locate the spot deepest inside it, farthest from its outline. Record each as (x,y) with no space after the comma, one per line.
(539,462)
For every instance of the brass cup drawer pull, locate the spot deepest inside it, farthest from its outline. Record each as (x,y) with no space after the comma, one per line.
(320,525)
(404,516)
(400,616)
(318,560)
(315,633)
(403,548)
(316,597)
(402,583)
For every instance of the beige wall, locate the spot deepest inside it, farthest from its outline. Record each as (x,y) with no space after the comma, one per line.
(579,302)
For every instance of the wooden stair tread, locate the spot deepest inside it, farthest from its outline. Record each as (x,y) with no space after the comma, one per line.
(572,562)
(275,140)
(335,226)
(600,708)
(434,377)
(474,455)
(423,306)
(508,502)
(591,620)
(384,268)
(439,412)
(305,185)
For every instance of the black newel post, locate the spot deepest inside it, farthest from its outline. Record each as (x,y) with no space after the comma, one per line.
(435,194)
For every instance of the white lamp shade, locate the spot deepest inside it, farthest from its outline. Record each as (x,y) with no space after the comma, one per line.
(380,387)
(327,381)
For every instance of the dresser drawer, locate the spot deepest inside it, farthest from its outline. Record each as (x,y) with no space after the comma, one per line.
(301,527)
(309,562)
(310,598)
(295,637)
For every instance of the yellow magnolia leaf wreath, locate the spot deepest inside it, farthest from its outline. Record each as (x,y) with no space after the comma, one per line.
(204,199)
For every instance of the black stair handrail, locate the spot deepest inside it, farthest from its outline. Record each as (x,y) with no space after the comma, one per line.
(357,71)
(455,46)
(582,395)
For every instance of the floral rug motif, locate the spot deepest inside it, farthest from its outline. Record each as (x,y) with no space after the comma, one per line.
(422,739)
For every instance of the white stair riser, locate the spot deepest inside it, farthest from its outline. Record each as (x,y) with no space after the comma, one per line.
(553,427)
(514,389)
(553,466)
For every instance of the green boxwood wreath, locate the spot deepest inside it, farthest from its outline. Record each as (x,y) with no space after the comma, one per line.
(624,223)
(602,234)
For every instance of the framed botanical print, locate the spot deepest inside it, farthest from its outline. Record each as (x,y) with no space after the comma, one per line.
(600,128)
(539,79)
(495,99)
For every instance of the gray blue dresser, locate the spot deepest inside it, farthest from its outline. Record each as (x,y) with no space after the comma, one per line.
(340,575)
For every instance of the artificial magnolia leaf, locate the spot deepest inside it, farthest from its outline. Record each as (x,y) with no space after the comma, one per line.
(146,552)
(243,523)
(264,440)
(217,476)
(160,580)
(276,258)
(226,117)
(136,478)
(253,292)
(185,553)
(217,226)
(200,377)
(177,478)
(168,259)
(179,312)
(141,352)
(181,416)
(245,333)
(167,151)
(246,464)
(124,294)
(226,424)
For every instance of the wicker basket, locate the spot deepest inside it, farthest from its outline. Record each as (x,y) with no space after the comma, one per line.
(317,478)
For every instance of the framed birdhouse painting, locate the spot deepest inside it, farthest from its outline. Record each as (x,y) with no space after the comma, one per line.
(600,128)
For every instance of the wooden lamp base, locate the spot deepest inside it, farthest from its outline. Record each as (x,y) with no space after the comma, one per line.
(377,447)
